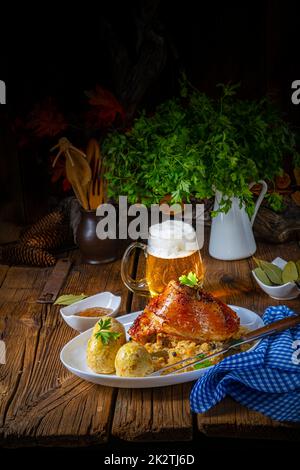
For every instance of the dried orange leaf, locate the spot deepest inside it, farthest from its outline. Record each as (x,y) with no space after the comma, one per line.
(297,175)
(283,181)
(296,197)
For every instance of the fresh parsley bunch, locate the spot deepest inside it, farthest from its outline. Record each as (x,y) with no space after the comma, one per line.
(194,144)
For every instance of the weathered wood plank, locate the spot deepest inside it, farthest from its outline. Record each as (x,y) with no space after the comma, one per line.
(159,414)
(233,283)
(23,284)
(230,419)
(42,402)
(3,271)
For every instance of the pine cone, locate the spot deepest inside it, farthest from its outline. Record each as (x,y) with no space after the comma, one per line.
(49,239)
(22,254)
(46,223)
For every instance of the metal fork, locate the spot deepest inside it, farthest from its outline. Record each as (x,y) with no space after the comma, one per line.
(254,335)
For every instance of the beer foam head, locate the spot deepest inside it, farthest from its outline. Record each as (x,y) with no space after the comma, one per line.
(172,239)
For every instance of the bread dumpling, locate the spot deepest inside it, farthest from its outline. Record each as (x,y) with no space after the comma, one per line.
(107,337)
(133,360)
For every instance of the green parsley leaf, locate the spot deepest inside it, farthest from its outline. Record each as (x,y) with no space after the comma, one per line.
(104,334)
(190,280)
(203,364)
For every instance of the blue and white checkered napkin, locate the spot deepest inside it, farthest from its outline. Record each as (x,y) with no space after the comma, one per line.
(266,379)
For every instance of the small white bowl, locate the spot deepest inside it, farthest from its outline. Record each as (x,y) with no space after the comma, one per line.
(105,299)
(287,291)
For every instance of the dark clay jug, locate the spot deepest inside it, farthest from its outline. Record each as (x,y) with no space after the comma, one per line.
(94,250)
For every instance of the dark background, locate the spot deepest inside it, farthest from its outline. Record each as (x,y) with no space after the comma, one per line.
(48,49)
(137,50)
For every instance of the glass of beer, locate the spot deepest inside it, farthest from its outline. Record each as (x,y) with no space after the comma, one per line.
(172,251)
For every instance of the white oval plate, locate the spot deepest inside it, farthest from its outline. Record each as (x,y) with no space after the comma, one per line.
(73,356)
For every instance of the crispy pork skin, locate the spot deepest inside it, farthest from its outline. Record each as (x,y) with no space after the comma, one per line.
(186,313)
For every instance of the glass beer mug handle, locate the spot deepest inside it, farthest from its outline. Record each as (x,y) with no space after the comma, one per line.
(138,286)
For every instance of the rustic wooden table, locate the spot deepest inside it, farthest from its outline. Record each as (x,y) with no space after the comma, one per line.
(42,403)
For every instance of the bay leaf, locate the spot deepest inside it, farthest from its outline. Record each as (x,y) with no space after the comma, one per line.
(261,275)
(69,299)
(290,272)
(273,272)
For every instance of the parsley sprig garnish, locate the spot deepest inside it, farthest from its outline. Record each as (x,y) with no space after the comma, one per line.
(190,280)
(206,363)
(104,334)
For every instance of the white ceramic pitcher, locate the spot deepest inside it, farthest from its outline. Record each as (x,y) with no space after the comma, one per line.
(231,235)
